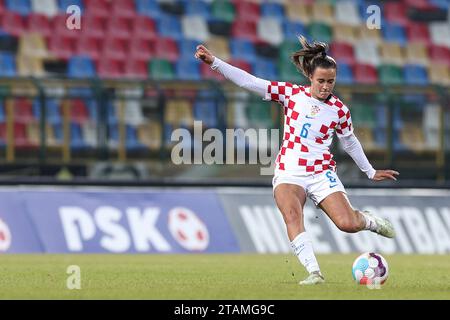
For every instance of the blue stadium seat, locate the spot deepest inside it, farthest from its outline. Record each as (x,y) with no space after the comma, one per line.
(64,4)
(111,114)
(293,29)
(132,142)
(273,10)
(415,75)
(76,137)
(80,92)
(2,112)
(92,108)
(187,49)
(22,7)
(443,4)
(7,65)
(205,109)
(394,33)
(198,8)
(81,67)
(344,74)
(265,69)
(53,111)
(242,49)
(148,8)
(188,70)
(169,26)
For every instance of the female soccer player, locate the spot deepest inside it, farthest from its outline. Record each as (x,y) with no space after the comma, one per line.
(304,166)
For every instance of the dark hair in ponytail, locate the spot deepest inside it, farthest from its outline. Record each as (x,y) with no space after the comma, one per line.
(312,56)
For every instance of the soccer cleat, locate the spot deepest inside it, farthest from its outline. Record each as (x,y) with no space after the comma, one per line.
(313,278)
(384,227)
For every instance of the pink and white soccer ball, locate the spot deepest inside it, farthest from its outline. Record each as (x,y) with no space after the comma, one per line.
(370,268)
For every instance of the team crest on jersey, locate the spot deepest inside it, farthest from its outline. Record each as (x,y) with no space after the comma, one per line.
(314,111)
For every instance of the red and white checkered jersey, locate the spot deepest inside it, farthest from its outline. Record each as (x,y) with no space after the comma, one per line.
(309,125)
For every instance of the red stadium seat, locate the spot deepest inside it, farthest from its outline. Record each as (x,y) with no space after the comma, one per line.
(365,74)
(208,73)
(13,23)
(140,49)
(118,27)
(243,29)
(88,46)
(21,139)
(123,8)
(144,28)
(342,52)
(60,27)
(136,69)
(40,23)
(93,25)
(241,64)
(166,48)
(23,110)
(439,54)
(395,12)
(114,49)
(111,69)
(247,11)
(61,47)
(419,4)
(98,8)
(78,111)
(418,32)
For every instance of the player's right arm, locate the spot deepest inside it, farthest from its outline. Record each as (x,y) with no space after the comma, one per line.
(238,76)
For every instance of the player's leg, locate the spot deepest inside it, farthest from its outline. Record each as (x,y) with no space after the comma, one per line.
(290,199)
(337,206)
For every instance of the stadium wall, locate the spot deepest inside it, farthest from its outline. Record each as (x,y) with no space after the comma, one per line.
(200,220)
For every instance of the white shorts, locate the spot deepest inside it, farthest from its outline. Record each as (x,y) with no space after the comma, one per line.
(317,186)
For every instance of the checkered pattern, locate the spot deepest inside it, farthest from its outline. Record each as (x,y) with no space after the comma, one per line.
(310,154)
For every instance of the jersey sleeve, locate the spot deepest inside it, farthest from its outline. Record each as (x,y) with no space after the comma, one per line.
(345,126)
(281,91)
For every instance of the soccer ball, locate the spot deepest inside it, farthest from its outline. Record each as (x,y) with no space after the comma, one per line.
(370,269)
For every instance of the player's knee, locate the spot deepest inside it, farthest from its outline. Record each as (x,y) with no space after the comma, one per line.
(292,215)
(347,224)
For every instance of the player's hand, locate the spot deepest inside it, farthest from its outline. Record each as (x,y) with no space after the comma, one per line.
(203,54)
(385,174)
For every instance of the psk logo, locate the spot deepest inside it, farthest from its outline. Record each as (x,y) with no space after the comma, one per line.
(188,230)
(314,111)
(5,236)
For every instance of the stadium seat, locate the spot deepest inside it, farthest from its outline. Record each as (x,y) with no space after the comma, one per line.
(123,9)
(22,7)
(219,27)
(392,53)
(289,73)
(21,140)
(64,4)
(53,114)
(440,32)
(298,13)
(60,29)
(439,74)
(439,54)
(45,7)
(118,27)
(93,25)
(23,110)
(150,135)
(195,27)
(292,30)
(345,33)
(110,68)
(415,75)
(148,8)
(166,48)
(223,10)
(87,46)
(270,30)
(188,70)
(140,50)
(89,132)
(97,8)
(259,114)
(169,26)
(416,53)
(179,113)
(363,114)
(247,11)
(320,32)
(418,32)
(61,47)
(346,12)
(7,65)
(187,48)
(342,52)
(396,13)
(365,74)
(198,8)
(344,74)
(81,67)
(2,112)
(114,49)
(77,142)
(143,28)
(242,49)
(30,66)
(132,142)
(33,45)
(273,10)
(390,75)
(323,12)
(366,52)
(243,29)
(241,64)
(13,23)
(41,24)
(442,4)
(394,33)
(205,109)
(78,111)
(208,74)
(265,69)
(160,69)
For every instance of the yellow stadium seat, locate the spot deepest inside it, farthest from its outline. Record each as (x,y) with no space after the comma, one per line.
(219,45)
(372,35)
(416,53)
(150,134)
(179,113)
(344,33)
(323,12)
(33,44)
(392,53)
(297,11)
(412,136)
(439,74)
(30,66)
(365,136)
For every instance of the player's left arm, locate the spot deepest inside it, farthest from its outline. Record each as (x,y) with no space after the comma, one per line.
(353,147)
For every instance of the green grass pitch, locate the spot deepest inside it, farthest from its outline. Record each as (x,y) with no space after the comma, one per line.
(215,276)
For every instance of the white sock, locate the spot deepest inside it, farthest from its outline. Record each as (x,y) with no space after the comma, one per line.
(303,249)
(371,224)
